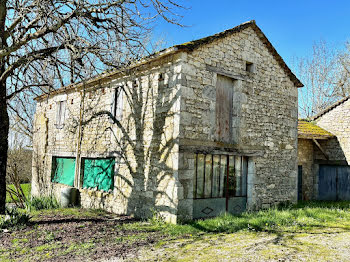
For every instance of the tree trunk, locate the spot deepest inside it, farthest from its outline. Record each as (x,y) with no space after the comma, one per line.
(4,130)
(4,118)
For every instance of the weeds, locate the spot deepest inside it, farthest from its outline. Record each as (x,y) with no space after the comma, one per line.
(14,218)
(303,216)
(287,218)
(40,203)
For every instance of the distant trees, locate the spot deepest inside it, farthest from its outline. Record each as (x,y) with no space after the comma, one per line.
(19,166)
(48,44)
(326,76)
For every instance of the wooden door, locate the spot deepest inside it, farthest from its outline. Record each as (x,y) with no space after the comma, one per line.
(224,103)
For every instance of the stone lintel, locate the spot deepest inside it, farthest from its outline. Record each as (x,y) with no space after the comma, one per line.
(224,72)
(205,147)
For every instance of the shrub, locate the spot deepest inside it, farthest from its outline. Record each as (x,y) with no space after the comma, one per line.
(11,189)
(14,218)
(39,203)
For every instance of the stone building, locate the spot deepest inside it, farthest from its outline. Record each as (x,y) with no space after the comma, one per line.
(192,131)
(324,154)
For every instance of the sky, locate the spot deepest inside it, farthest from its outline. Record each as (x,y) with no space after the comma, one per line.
(291,26)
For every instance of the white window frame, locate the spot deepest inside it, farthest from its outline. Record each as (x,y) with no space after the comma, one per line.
(117,103)
(60,113)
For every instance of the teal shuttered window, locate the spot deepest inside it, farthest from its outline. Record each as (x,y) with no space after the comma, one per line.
(63,169)
(98,173)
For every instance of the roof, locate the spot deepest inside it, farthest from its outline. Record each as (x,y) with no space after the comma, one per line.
(309,130)
(331,107)
(189,47)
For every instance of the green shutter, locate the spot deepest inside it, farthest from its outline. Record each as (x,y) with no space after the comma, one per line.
(63,170)
(98,173)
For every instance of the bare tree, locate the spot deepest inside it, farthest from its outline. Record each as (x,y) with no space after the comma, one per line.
(343,77)
(325,75)
(44,44)
(19,167)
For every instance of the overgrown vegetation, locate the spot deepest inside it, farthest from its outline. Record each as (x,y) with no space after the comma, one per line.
(14,218)
(18,173)
(304,216)
(40,203)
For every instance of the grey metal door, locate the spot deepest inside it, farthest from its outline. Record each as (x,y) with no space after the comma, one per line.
(300,183)
(334,182)
(343,183)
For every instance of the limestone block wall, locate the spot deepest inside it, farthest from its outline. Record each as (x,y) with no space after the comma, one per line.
(306,160)
(144,143)
(337,121)
(333,149)
(264,120)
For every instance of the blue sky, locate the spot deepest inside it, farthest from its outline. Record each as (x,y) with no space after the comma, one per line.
(291,26)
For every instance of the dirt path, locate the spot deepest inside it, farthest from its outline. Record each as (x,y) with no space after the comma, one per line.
(87,235)
(251,246)
(73,237)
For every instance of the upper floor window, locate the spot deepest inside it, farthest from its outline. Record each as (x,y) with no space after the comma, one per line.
(250,67)
(60,113)
(117,103)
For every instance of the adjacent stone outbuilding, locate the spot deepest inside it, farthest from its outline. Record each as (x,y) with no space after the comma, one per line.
(324,153)
(189,132)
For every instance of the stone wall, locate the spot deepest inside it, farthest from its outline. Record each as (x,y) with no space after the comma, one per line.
(144,143)
(337,121)
(264,122)
(306,160)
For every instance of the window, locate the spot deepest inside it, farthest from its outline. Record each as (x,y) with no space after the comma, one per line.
(98,173)
(63,170)
(224,103)
(249,67)
(60,113)
(220,176)
(117,103)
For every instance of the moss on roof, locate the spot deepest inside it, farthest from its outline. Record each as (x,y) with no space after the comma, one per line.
(309,130)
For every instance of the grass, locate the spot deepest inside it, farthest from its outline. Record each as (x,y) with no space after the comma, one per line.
(304,216)
(71,212)
(42,203)
(26,190)
(288,226)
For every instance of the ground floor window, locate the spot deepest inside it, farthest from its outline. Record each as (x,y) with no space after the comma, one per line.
(63,170)
(98,173)
(220,176)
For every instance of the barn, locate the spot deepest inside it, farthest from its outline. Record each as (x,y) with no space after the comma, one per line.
(192,131)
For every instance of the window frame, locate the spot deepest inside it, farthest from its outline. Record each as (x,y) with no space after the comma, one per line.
(54,165)
(224,187)
(82,172)
(60,113)
(117,103)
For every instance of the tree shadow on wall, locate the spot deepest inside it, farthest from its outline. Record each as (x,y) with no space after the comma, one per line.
(144,141)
